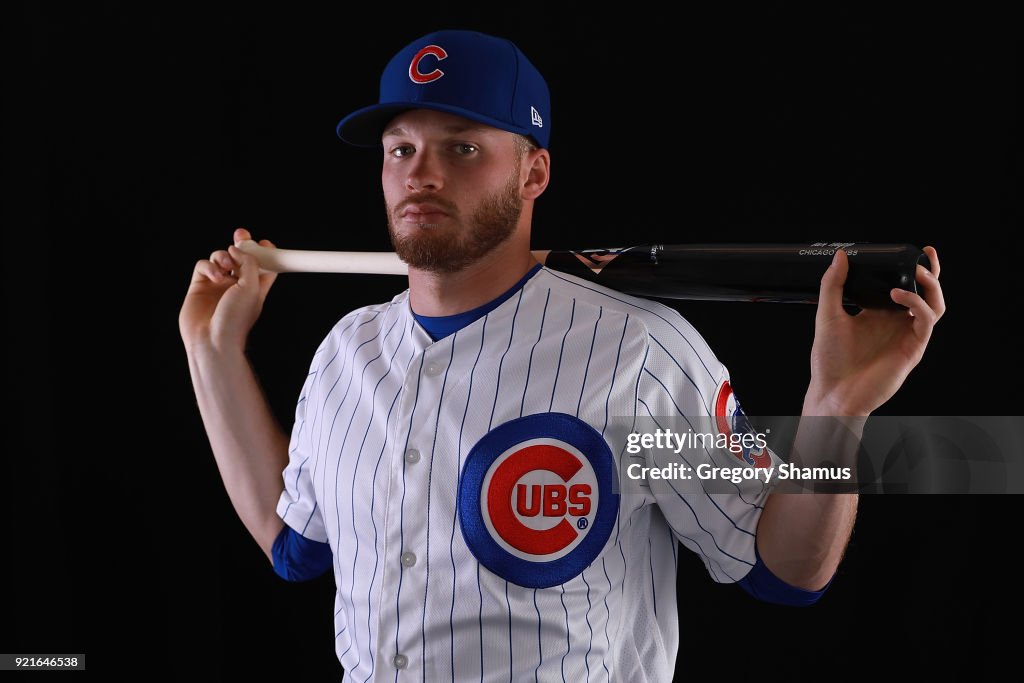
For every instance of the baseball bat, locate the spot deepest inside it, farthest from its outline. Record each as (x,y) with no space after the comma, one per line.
(788,273)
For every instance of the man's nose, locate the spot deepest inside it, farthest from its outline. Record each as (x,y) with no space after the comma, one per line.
(425,173)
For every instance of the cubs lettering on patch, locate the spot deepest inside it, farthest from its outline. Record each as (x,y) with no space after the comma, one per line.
(418,76)
(538,499)
(730,419)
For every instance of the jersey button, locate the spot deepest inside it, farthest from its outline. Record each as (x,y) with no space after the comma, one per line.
(401,661)
(408,559)
(412,456)
(433,369)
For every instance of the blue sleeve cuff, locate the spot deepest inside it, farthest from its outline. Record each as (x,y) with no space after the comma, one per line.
(296,558)
(763,585)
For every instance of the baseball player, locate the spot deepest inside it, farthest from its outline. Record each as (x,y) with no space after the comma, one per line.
(452,459)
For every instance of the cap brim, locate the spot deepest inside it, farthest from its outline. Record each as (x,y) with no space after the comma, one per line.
(365,126)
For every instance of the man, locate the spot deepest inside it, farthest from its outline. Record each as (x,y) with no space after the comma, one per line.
(453,456)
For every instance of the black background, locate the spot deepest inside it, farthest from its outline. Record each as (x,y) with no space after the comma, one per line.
(141,137)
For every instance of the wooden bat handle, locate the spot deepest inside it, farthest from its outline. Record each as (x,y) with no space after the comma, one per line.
(307,261)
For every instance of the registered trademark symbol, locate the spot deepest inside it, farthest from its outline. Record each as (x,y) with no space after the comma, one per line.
(582,523)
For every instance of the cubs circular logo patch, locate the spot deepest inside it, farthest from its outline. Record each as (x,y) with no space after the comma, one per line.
(537,499)
(730,419)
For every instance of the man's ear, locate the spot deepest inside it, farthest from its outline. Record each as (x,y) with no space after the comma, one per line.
(538,173)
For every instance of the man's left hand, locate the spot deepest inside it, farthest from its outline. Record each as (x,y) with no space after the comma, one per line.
(859,361)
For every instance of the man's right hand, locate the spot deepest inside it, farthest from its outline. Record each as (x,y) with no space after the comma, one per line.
(223,302)
(225,298)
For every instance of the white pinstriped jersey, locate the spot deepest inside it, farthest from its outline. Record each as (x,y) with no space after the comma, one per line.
(383,467)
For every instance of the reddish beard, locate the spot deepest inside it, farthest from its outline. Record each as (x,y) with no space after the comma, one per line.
(449,250)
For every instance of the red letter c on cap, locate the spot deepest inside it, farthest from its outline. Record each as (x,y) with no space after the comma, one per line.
(414,66)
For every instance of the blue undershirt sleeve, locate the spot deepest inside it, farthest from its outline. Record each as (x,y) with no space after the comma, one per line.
(763,585)
(296,558)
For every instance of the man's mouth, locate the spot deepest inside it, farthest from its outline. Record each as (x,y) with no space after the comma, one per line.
(423,213)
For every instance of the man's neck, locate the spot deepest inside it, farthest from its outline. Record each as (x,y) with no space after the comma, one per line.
(436,294)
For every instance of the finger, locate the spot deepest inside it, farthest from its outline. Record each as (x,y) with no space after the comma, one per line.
(222,259)
(924,316)
(207,270)
(830,293)
(267,277)
(201,271)
(248,270)
(241,234)
(932,290)
(933,260)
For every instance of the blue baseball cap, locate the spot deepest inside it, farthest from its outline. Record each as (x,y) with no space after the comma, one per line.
(466,73)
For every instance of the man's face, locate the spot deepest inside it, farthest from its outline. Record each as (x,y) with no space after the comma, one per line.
(451,189)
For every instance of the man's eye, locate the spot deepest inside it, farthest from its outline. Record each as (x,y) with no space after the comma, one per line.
(465,148)
(401,151)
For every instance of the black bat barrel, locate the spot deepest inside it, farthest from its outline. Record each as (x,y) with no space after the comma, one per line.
(789,273)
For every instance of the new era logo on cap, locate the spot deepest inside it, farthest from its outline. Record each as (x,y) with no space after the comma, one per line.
(466,73)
